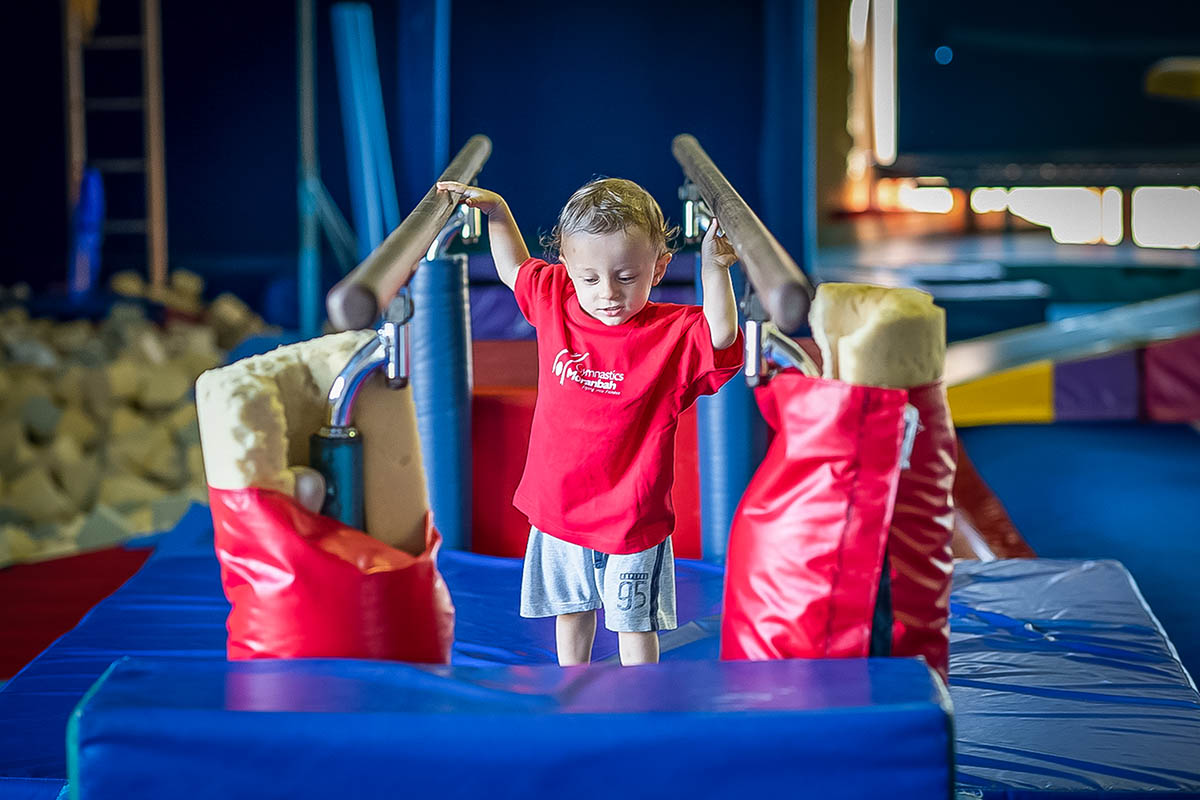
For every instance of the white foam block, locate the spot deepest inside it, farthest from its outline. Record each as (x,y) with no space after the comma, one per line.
(257,415)
(878,336)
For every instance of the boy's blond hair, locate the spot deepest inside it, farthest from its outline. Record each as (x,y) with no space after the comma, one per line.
(611,205)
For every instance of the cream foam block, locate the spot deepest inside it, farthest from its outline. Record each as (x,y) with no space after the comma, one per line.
(878,336)
(256,417)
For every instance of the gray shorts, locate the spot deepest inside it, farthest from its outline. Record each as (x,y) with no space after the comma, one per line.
(636,591)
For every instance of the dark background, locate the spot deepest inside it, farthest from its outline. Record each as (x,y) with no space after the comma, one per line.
(566,92)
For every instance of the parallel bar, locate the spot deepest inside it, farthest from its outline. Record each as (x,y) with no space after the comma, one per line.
(1078,337)
(358,299)
(785,291)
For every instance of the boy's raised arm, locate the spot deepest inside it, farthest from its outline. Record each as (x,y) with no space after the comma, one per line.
(508,248)
(720,306)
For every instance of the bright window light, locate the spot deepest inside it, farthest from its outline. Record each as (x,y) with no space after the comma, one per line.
(985,200)
(1166,216)
(1072,213)
(927,199)
(883,76)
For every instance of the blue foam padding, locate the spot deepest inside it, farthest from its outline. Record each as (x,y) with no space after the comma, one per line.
(1063,683)
(440,367)
(172,607)
(321,728)
(33,788)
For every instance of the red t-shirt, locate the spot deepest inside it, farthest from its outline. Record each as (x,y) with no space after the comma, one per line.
(602,449)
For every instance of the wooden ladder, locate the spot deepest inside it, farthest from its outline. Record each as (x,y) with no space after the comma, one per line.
(79,22)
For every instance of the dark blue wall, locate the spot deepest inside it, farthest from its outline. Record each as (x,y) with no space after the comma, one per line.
(565,91)
(34,232)
(570,91)
(1038,81)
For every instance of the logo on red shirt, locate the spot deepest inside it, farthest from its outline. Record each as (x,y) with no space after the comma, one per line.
(570,365)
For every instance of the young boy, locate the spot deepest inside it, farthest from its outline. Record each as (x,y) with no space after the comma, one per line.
(614,373)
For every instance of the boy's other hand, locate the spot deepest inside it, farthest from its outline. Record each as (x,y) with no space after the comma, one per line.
(715,250)
(472,196)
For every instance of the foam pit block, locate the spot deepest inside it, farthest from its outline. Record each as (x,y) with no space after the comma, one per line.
(347,728)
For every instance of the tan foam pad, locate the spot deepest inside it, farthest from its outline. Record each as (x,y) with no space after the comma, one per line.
(878,336)
(256,417)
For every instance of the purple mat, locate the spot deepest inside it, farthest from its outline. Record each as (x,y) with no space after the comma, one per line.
(495,315)
(1095,389)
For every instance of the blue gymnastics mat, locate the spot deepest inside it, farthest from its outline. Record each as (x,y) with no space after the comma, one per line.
(1062,681)
(324,728)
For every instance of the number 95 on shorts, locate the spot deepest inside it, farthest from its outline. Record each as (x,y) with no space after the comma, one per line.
(636,591)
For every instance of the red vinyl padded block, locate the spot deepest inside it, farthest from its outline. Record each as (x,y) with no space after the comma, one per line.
(1171,380)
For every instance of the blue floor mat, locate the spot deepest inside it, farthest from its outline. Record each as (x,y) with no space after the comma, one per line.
(1129,492)
(1061,679)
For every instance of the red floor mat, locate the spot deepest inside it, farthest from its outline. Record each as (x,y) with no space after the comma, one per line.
(41,602)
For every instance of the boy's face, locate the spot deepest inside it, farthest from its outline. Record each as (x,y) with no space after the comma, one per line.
(613,272)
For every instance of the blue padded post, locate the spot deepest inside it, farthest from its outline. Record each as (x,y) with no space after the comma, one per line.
(360,153)
(730,433)
(441,381)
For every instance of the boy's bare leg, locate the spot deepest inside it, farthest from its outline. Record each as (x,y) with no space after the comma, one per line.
(574,634)
(638,648)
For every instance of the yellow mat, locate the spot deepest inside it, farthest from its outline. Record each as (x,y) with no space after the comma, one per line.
(1023,394)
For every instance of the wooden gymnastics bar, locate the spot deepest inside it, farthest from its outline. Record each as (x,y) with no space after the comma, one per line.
(358,299)
(784,290)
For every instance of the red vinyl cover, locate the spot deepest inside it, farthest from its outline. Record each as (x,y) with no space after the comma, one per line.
(303,585)
(982,509)
(807,542)
(921,529)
